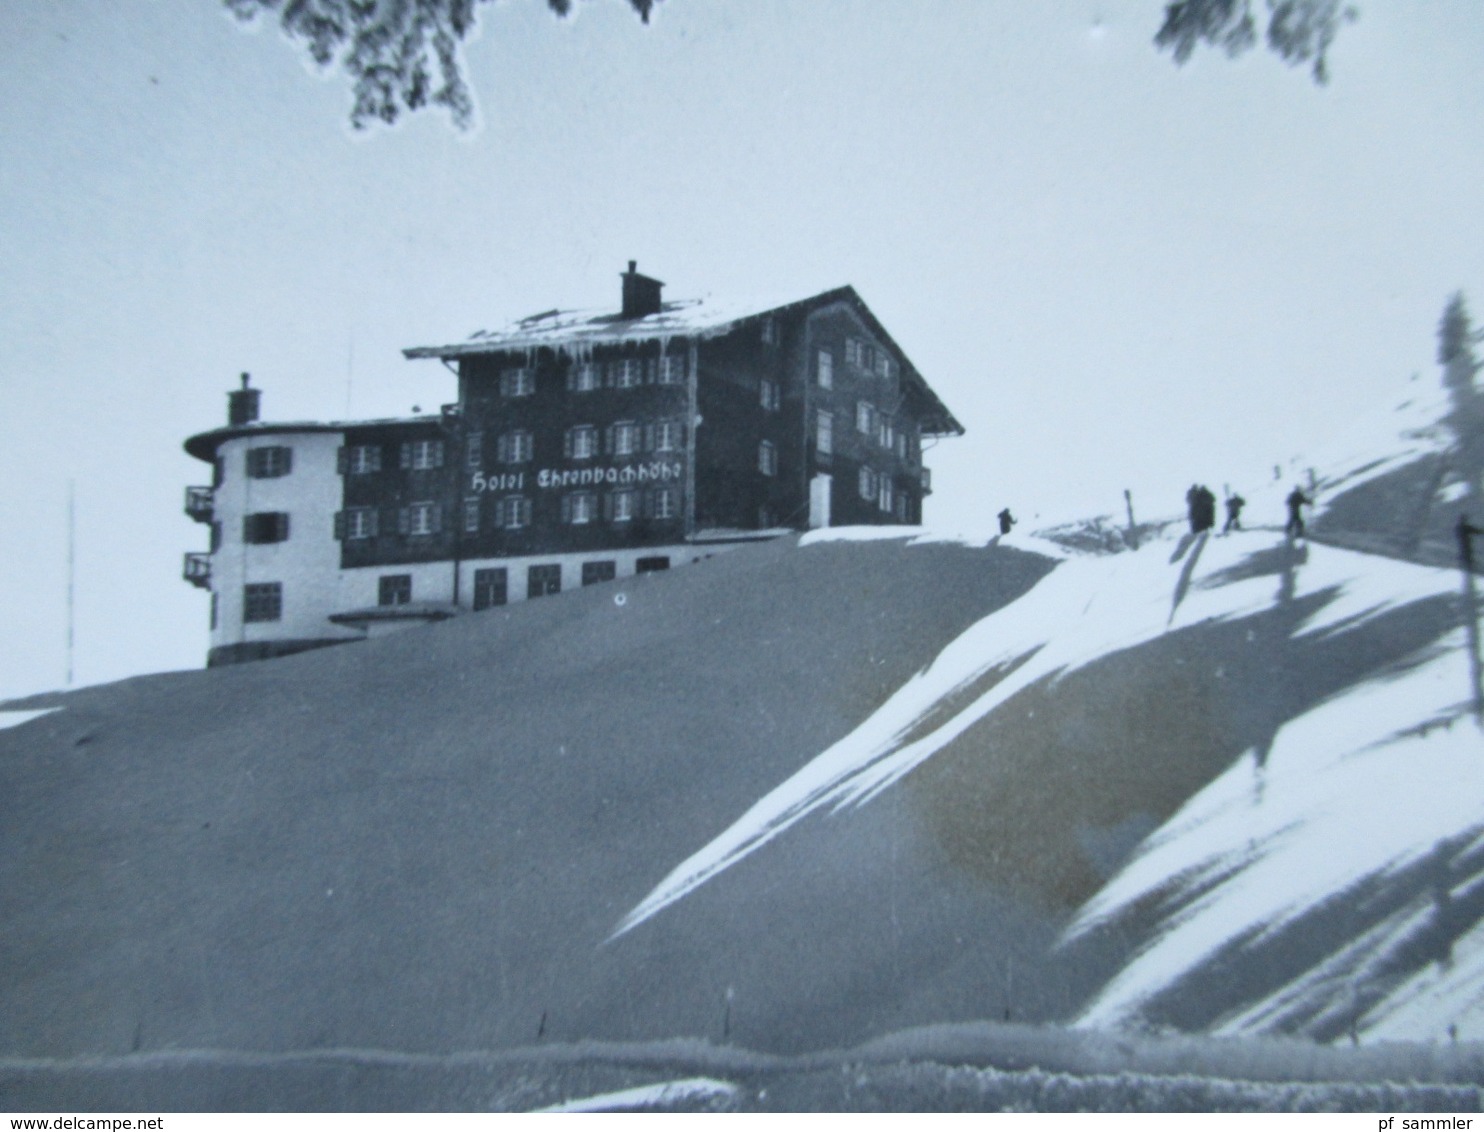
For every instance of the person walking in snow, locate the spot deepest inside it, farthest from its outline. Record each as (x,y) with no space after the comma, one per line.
(1007,521)
(1296,501)
(1234,505)
(1193,507)
(1466,532)
(1206,505)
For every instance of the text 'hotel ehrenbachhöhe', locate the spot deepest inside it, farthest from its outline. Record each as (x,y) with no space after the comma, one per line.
(583,447)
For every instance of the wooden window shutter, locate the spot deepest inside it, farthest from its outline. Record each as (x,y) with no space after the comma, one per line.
(610,439)
(340,523)
(376,457)
(437,453)
(649,438)
(567,443)
(567,508)
(406,454)
(499,514)
(373,524)
(342,461)
(608,506)
(404,520)
(435,517)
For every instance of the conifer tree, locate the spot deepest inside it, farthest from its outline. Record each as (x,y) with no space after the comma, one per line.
(401,55)
(1298,31)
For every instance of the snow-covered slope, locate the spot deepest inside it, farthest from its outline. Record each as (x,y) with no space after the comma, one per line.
(798,797)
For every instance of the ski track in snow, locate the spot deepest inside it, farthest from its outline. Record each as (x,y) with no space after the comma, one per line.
(1085,609)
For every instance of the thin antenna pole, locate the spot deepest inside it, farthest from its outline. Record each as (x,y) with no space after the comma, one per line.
(71,569)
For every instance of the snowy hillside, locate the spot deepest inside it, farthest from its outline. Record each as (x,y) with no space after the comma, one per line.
(796,798)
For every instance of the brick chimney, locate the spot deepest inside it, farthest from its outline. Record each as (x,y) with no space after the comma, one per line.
(242,404)
(641,294)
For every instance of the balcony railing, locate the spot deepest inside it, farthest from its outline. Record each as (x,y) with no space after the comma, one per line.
(198,504)
(927,481)
(197,569)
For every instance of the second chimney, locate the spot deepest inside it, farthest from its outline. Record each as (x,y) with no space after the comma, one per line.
(242,404)
(641,294)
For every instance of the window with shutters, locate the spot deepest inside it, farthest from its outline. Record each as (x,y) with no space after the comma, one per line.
(474,451)
(394,589)
(865,417)
(471,516)
(262,601)
(767,458)
(627,373)
(662,503)
(584,377)
(422,518)
(357,523)
(673,369)
(361,459)
(666,436)
(625,438)
(825,369)
(489,587)
(824,432)
(581,442)
(578,507)
(269,463)
(517,382)
(595,572)
(515,447)
(852,351)
(513,512)
(265,526)
(768,395)
(867,484)
(885,433)
(884,493)
(422,455)
(625,505)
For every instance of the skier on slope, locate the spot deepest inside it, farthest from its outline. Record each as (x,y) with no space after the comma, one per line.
(1296,501)
(1234,505)
(1007,521)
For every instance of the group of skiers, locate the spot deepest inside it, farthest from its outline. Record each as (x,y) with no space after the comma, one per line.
(1200,504)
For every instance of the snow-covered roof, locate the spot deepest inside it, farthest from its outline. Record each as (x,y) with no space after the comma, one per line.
(579,330)
(203,445)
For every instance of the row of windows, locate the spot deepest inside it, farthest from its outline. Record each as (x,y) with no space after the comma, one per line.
(861,354)
(513,512)
(585,377)
(263,601)
(413,455)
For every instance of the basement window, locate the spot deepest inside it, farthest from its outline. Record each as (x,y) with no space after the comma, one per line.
(489,587)
(262,601)
(394,589)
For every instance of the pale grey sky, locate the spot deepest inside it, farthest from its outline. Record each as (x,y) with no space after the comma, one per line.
(1115,272)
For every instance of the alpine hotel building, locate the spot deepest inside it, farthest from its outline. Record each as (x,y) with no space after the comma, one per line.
(583,447)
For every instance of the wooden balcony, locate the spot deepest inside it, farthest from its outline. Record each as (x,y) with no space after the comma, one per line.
(198,504)
(197,569)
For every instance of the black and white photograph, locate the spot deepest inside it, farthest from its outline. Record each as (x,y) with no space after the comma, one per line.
(742,556)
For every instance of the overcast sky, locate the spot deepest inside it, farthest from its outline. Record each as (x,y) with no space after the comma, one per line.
(1116,273)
